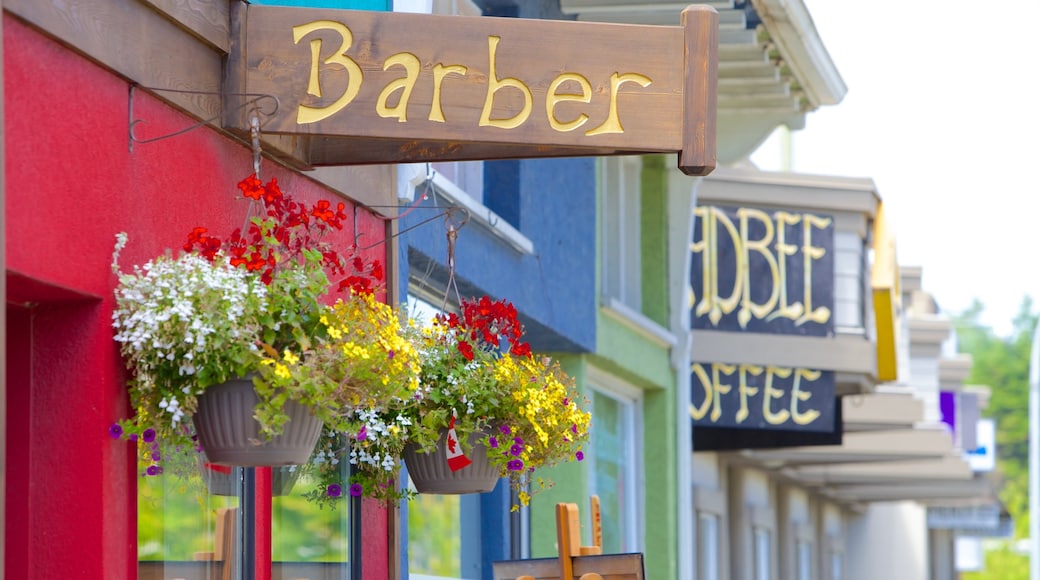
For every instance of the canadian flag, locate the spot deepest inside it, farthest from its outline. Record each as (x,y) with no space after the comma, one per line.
(456,458)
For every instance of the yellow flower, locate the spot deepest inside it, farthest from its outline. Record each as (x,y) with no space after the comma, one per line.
(282,371)
(289,357)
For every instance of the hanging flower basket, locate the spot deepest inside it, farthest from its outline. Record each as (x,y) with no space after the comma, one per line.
(432,473)
(230,435)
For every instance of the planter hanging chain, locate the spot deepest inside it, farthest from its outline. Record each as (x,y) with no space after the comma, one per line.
(452,226)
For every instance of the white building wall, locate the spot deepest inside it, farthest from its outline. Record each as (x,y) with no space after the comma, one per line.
(924,377)
(889,540)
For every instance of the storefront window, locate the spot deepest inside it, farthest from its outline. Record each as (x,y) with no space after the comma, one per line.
(614,468)
(707,547)
(177,530)
(803,561)
(762,555)
(620,234)
(307,541)
(198,528)
(837,562)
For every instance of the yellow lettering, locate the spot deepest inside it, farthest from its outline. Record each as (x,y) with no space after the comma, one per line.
(439,72)
(783,249)
(747,307)
(798,395)
(746,390)
(411,66)
(613,122)
(719,389)
(553,97)
(704,248)
(698,413)
(712,304)
(494,85)
(770,392)
(810,253)
(355,77)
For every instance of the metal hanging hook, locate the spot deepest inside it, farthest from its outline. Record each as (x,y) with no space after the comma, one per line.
(254,134)
(254,101)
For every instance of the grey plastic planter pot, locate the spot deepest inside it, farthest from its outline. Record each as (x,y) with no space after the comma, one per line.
(430,472)
(230,436)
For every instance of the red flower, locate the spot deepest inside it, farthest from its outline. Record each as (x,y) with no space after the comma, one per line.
(466,349)
(252,187)
(520,349)
(321,211)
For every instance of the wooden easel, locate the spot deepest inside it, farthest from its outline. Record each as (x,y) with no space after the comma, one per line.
(568,536)
(575,562)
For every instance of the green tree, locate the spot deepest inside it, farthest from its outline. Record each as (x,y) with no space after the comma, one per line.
(1002,363)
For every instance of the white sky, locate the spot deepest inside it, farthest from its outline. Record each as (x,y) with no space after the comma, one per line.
(943,113)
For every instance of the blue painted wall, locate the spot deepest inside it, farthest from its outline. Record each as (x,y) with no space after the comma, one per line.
(553,203)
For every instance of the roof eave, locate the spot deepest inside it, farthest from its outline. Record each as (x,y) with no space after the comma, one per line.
(792,29)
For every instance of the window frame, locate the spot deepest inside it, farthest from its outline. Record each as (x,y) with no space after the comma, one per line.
(631,398)
(620,184)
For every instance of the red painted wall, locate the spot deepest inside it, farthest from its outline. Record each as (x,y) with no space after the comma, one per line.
(71,185)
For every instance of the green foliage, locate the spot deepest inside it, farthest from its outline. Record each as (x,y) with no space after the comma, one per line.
(1002,563)
(1002,363)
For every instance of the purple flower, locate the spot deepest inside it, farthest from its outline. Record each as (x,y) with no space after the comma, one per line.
(579,456)
(390,354)
(566,401)
(156,456)
(334,490)
(152,470)
(362,434)
(505,429)
(356,489)
(115,431)
(493,442)
(574,428)
(148,436)
(515,465)
(516,450)
(518,441)
(133,437)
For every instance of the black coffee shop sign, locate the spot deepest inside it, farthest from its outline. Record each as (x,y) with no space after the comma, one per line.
(762,397)
(757,270)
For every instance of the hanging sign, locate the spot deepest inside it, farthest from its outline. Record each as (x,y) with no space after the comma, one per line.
(767,271)
(762,397)
(358,87)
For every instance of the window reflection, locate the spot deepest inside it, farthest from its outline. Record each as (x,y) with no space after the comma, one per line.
(195,528)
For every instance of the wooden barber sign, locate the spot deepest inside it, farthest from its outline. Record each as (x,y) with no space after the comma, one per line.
(376,87)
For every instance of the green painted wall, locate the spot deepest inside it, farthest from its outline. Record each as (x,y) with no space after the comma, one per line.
(659,413)
(654,230)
